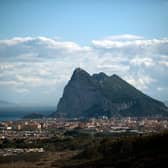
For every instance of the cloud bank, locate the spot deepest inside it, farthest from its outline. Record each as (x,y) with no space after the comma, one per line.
(36,69)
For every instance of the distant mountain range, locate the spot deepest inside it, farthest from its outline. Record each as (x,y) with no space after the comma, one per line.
(6,104)
(12,111)
(33,116)
(95,95)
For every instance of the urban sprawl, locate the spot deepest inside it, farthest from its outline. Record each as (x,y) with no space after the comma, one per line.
(48,128)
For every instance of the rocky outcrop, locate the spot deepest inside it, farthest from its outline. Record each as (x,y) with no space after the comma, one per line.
(99,94)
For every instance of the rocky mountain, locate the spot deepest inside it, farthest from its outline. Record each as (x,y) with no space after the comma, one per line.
(166,103)
(94,95)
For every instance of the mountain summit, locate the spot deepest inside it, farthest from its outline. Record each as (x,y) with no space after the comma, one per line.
(94,95)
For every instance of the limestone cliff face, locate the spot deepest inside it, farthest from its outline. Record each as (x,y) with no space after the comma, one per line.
(80,94)
(99,94)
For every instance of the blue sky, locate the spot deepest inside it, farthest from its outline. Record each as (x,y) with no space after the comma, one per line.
(43,41)
(82,21)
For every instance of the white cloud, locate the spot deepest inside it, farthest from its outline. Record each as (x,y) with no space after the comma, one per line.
(141,82)
(124,37)
(28,79)
(67,45)
(15,41)
(44,65)
(129,42)
(160,88)
(9,83)
(38,46)
(142,61)
(22,90)
(165,63)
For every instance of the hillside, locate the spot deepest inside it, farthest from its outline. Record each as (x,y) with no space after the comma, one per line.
(140,152)
(95,95)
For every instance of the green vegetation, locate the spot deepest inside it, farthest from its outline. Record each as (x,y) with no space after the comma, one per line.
(78,150)
(134,151)
(71,140)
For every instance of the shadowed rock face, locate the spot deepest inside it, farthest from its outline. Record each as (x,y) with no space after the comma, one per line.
(99,94)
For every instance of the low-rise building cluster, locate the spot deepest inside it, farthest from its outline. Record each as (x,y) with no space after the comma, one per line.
(49,127)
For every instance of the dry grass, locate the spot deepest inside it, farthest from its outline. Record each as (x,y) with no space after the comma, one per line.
(49,159)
